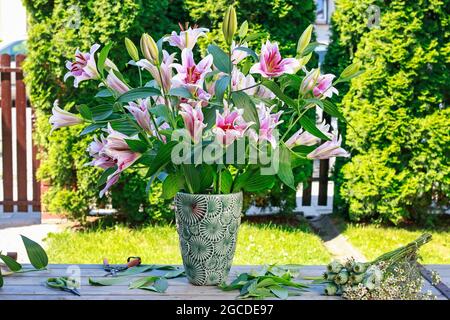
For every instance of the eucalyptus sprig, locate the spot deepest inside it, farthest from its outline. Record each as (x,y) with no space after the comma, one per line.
(36,254)
(270,282)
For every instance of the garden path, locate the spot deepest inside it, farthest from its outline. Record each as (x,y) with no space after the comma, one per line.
(336,243)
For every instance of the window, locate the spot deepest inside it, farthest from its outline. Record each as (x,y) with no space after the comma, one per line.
(322,11)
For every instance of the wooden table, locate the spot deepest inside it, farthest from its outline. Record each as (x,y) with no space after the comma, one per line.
(31,286)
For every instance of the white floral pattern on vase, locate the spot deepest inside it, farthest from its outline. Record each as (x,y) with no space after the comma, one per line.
(207,226)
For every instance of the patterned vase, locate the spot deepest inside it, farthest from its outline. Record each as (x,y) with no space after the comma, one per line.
(207,226)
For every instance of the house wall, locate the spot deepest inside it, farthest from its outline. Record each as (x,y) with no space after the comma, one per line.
(13,21)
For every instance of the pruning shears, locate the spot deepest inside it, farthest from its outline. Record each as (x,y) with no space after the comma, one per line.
(112,270)
(62,283)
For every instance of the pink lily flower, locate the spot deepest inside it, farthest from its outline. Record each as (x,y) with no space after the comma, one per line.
(84,66)
(304,138)
(264,93)
(164,79)
(193,120)
(191,74)
(239,82)
(117,148)
(141,114)
(324,87)
(115,83)
(187,38)
(329,149)
(62,118)
(271,64)
(238,55)
(230,126)
(112,180)
(96,151)
(267,124)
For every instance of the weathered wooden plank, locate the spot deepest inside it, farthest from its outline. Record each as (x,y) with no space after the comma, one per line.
(21,104)
(32,286)
(6,106)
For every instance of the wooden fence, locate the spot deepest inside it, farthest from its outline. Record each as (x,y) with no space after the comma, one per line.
(15,195)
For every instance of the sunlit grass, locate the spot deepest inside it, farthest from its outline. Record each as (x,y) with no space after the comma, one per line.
(372,241)
(257,244)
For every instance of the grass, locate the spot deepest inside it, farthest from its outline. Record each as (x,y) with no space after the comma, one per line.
(258,243)
(374,240)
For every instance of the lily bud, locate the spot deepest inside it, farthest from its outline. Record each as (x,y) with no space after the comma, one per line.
(351,70)
(331,289)
(309,81)
(304,60)
(243,29)
(229,25)
(132,50)
(149,48)
(304,40)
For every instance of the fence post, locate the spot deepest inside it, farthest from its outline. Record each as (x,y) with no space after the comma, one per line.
(21,116)
(5,61)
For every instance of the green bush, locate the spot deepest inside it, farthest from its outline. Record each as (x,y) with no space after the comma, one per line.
(56,29)
(399,111)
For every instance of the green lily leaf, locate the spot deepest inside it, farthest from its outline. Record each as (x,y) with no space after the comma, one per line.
(226,181)
(243,101)
(162,158)
(173,183)
(90,128)
(138,93)
(309,126)
(175,274)
(12,264)
(330,108)
(142,282)
(221,59)
(181,92)
(1,278)
(137,145)
(272,86)
(102,57)
(36,253)
(108,281)
(85,112)
(220,87)
(280,292)
(285,170)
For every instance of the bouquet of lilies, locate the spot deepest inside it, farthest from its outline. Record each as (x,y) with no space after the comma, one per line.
(209,125)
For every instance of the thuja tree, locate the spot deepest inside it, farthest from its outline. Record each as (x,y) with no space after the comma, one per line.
(399,109)
(284,20)
(56,29)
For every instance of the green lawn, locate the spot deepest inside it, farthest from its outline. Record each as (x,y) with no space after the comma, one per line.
(258,243)
(372,241)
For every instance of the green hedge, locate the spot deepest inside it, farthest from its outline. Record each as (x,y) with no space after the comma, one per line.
(398,109)
(51,42)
